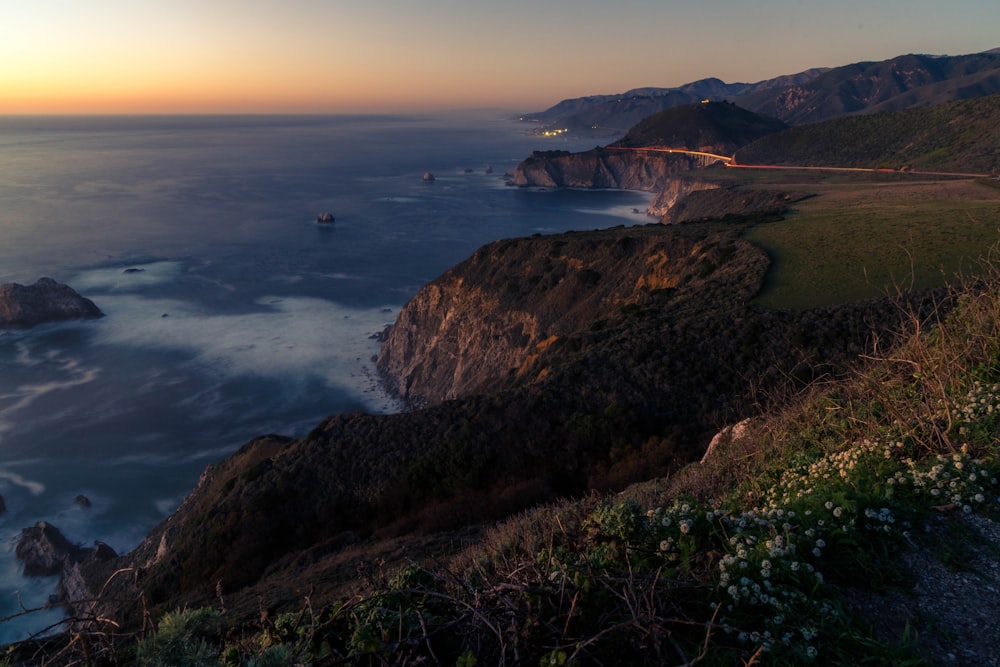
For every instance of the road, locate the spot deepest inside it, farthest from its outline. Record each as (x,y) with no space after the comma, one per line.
(730,162)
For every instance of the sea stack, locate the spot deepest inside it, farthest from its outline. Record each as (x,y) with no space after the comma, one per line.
(23,307)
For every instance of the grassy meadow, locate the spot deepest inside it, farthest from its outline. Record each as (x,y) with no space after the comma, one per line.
(864,236)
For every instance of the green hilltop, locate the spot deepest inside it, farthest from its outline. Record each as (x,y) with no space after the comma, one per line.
(721,127)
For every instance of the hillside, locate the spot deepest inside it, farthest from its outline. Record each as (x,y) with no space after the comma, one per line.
(713,127)
(798,537)
(903,82)
(962,136)
(623,374)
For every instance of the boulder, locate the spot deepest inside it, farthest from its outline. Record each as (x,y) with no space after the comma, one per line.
(46,552)
(325,217)
(428,177)
(22,306)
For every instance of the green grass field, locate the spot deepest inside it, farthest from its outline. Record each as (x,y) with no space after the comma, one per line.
(859,239)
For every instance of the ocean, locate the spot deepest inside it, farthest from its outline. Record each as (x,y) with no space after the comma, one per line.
(229,311)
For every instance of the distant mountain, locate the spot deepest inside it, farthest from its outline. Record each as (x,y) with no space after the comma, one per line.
(813,95)
(617,113)
(716,127)
(891,85)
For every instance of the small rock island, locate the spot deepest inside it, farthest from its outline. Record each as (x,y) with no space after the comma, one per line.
(22,307)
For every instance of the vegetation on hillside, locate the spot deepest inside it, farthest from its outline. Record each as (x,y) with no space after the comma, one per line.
(634,392)
(958,136)
(749,557)
(720,127)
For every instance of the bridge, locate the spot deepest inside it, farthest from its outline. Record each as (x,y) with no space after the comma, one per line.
(702,158)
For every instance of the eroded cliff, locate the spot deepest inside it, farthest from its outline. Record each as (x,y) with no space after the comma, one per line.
(601,168)
(668,175)
(481,323)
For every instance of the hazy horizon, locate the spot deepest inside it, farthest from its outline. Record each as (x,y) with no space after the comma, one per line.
(387,56)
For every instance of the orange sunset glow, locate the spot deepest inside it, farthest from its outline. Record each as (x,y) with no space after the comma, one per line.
(109,56)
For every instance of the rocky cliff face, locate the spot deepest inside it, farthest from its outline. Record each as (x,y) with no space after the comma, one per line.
(667,175)
(675,191)
(601,168)
(483,321)
(47,300)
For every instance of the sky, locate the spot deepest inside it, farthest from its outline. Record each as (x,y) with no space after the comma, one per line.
(377,56)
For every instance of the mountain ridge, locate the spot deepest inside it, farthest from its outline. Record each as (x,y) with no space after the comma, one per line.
(809,96)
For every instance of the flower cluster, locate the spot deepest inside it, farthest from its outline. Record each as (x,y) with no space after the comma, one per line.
(766,576)
(770,574)
(981,402)
(957,480)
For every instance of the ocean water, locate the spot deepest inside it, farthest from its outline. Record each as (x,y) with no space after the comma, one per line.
(244,315)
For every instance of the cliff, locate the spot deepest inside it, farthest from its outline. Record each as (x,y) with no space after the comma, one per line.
(484,322)
(668,175)
(601,168)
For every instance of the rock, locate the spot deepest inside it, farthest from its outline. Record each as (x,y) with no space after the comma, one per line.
(46,301)
(325,217)
(46,552)
(489,169)
(3,505)
(133,270)
(730,434)
(82,501)
(428,177)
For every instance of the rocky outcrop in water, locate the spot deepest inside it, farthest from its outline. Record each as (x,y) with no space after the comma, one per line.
(46,552)
(23,306)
